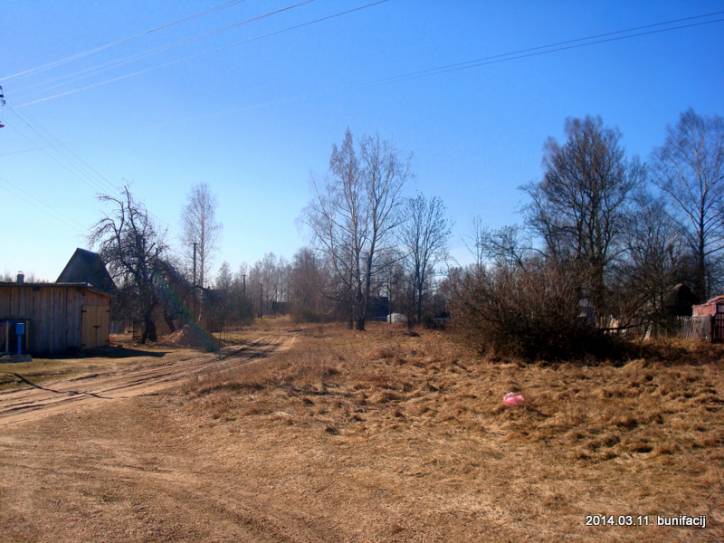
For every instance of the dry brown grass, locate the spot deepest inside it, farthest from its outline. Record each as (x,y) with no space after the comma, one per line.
(375,436)
(420,420)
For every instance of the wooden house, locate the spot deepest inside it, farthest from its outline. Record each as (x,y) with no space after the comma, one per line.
(56,317)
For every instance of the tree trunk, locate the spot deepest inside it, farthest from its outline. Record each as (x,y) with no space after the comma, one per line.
(149,328)
(700,287)
(361,316)
(350,324)
(169,321)
(419,304)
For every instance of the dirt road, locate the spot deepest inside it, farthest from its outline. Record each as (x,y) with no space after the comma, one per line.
(146,375)
(107,457)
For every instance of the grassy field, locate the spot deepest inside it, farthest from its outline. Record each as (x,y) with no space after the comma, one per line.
(331,435)
(408,437)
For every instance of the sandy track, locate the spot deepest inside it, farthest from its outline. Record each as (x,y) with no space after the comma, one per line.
(133,472)
(104,457)
(31,401)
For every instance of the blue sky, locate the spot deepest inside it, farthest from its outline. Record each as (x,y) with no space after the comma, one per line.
(256,119)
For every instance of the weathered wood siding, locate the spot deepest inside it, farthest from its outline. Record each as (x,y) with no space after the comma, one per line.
(54,312)
(95,321)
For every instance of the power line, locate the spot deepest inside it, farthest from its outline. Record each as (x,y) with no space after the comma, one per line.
(86,169)
(86,72)
(63,164)
(20,151)
(534,51)
(34,201)
(96,184)
(119,41)
(482,61)
(181,59)
(552,48)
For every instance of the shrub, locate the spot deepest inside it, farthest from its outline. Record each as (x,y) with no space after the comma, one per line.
(529,309)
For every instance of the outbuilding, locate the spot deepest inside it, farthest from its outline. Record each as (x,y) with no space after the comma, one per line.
(713,310)
(52,318)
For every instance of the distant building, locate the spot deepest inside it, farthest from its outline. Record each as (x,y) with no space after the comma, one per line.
(87,267)
(713,312)
(711,308)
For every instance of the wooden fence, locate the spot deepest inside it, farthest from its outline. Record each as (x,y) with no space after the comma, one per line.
(700,328)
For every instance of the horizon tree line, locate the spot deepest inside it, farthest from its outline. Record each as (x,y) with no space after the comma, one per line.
(620,231)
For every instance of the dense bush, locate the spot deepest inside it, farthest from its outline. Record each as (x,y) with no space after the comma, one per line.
(532,311)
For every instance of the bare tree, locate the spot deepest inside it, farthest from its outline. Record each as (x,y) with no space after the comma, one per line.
(268,284)
(336,218)
(580,205)
(689,168)
(505,245)
(132,249)
(475,244)
(200,229)
(307,284)
(353,215)
(223,287)
(423,236)
(224,278)
(655,262)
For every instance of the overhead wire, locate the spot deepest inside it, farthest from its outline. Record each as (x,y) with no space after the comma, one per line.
(79,159)
(96,182)
(20,151)
(84,168)
(550,48)
(517,54)
(88,52)
(80,167)
(194,55)
(129,59)
(54,155)
(37,202)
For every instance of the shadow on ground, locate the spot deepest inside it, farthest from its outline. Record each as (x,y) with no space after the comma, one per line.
(111,352)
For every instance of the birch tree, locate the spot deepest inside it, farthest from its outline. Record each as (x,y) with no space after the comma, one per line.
(200,228)
(353,215)
(689,169)
(423,236)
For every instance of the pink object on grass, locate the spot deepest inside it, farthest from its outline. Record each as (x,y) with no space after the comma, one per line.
(513,399)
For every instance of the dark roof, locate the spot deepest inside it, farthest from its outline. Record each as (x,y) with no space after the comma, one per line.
(87,267)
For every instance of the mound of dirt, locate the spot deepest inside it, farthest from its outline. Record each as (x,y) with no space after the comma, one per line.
(192,335)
